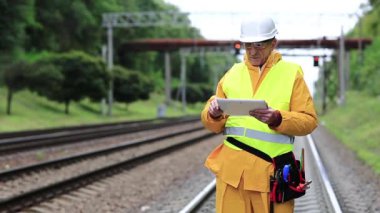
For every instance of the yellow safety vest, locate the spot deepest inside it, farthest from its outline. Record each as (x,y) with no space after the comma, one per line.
(276,89)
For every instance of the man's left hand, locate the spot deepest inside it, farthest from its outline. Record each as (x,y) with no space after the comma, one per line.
(269,116)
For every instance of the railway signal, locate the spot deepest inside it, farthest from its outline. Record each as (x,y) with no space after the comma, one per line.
(316,61)
(237,47)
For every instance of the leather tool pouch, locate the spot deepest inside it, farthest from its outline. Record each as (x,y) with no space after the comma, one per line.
(286,184)
(282,189)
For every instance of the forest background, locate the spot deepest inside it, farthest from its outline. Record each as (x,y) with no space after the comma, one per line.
(45,46)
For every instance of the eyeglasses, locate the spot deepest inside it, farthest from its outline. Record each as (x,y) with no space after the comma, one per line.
(257,45)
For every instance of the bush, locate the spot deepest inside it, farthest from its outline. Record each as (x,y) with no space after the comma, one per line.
(370,74)
(130,85)
(195,92)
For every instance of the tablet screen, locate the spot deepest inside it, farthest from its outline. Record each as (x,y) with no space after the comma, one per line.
(240,106)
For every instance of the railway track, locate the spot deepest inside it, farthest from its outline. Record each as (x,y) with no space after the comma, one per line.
(319,198)
(166,181)
(93,166)
(18,141)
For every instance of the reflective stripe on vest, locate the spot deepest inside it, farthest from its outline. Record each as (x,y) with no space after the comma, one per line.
(276,89)
(251,133)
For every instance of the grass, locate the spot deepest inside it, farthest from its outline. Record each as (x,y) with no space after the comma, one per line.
(30,111)
(357,125)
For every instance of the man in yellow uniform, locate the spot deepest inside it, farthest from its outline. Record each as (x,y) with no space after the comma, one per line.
(243,179)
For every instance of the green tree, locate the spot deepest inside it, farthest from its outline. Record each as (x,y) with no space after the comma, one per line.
(195,92)
(45,78)
(15,80)
(15,17)
(61,26)
(83,76)
(130,85)
(370,75)
(365,76)
(64,25)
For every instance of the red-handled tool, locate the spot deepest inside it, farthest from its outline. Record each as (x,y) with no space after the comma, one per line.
(304,186)
(302,166)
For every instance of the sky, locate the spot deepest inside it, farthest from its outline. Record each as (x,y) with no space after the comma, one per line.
(295,19)
(220,19)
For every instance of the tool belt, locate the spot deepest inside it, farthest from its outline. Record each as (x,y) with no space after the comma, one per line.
(289,174)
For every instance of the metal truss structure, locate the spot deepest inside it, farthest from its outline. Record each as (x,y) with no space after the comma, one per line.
(145,19)
(137,19)
(178,19)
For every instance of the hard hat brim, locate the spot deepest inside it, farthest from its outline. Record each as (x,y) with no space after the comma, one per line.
(254,39)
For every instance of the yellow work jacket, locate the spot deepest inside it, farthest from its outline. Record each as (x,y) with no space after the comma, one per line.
(231,165)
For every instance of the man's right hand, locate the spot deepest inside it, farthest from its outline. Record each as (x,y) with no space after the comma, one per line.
(214,110)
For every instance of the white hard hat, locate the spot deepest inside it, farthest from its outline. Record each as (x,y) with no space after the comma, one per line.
(257,29)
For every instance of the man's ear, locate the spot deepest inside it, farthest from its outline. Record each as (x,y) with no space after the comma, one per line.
(274,43)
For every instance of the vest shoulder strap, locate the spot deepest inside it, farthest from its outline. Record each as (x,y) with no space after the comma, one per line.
(286,65)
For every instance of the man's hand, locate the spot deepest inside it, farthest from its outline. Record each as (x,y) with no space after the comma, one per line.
(269,116)
(214,110)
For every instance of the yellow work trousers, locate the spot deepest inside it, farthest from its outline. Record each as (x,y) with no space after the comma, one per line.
(237,200)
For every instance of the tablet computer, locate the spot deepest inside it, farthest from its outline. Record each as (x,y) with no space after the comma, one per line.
(240,106)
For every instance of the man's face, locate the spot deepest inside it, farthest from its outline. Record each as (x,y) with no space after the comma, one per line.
(258,52)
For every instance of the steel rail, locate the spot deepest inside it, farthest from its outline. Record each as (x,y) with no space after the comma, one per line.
(71,135)
(7,174)
(200,198)
(323,174)
(13,134)
(33,197)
